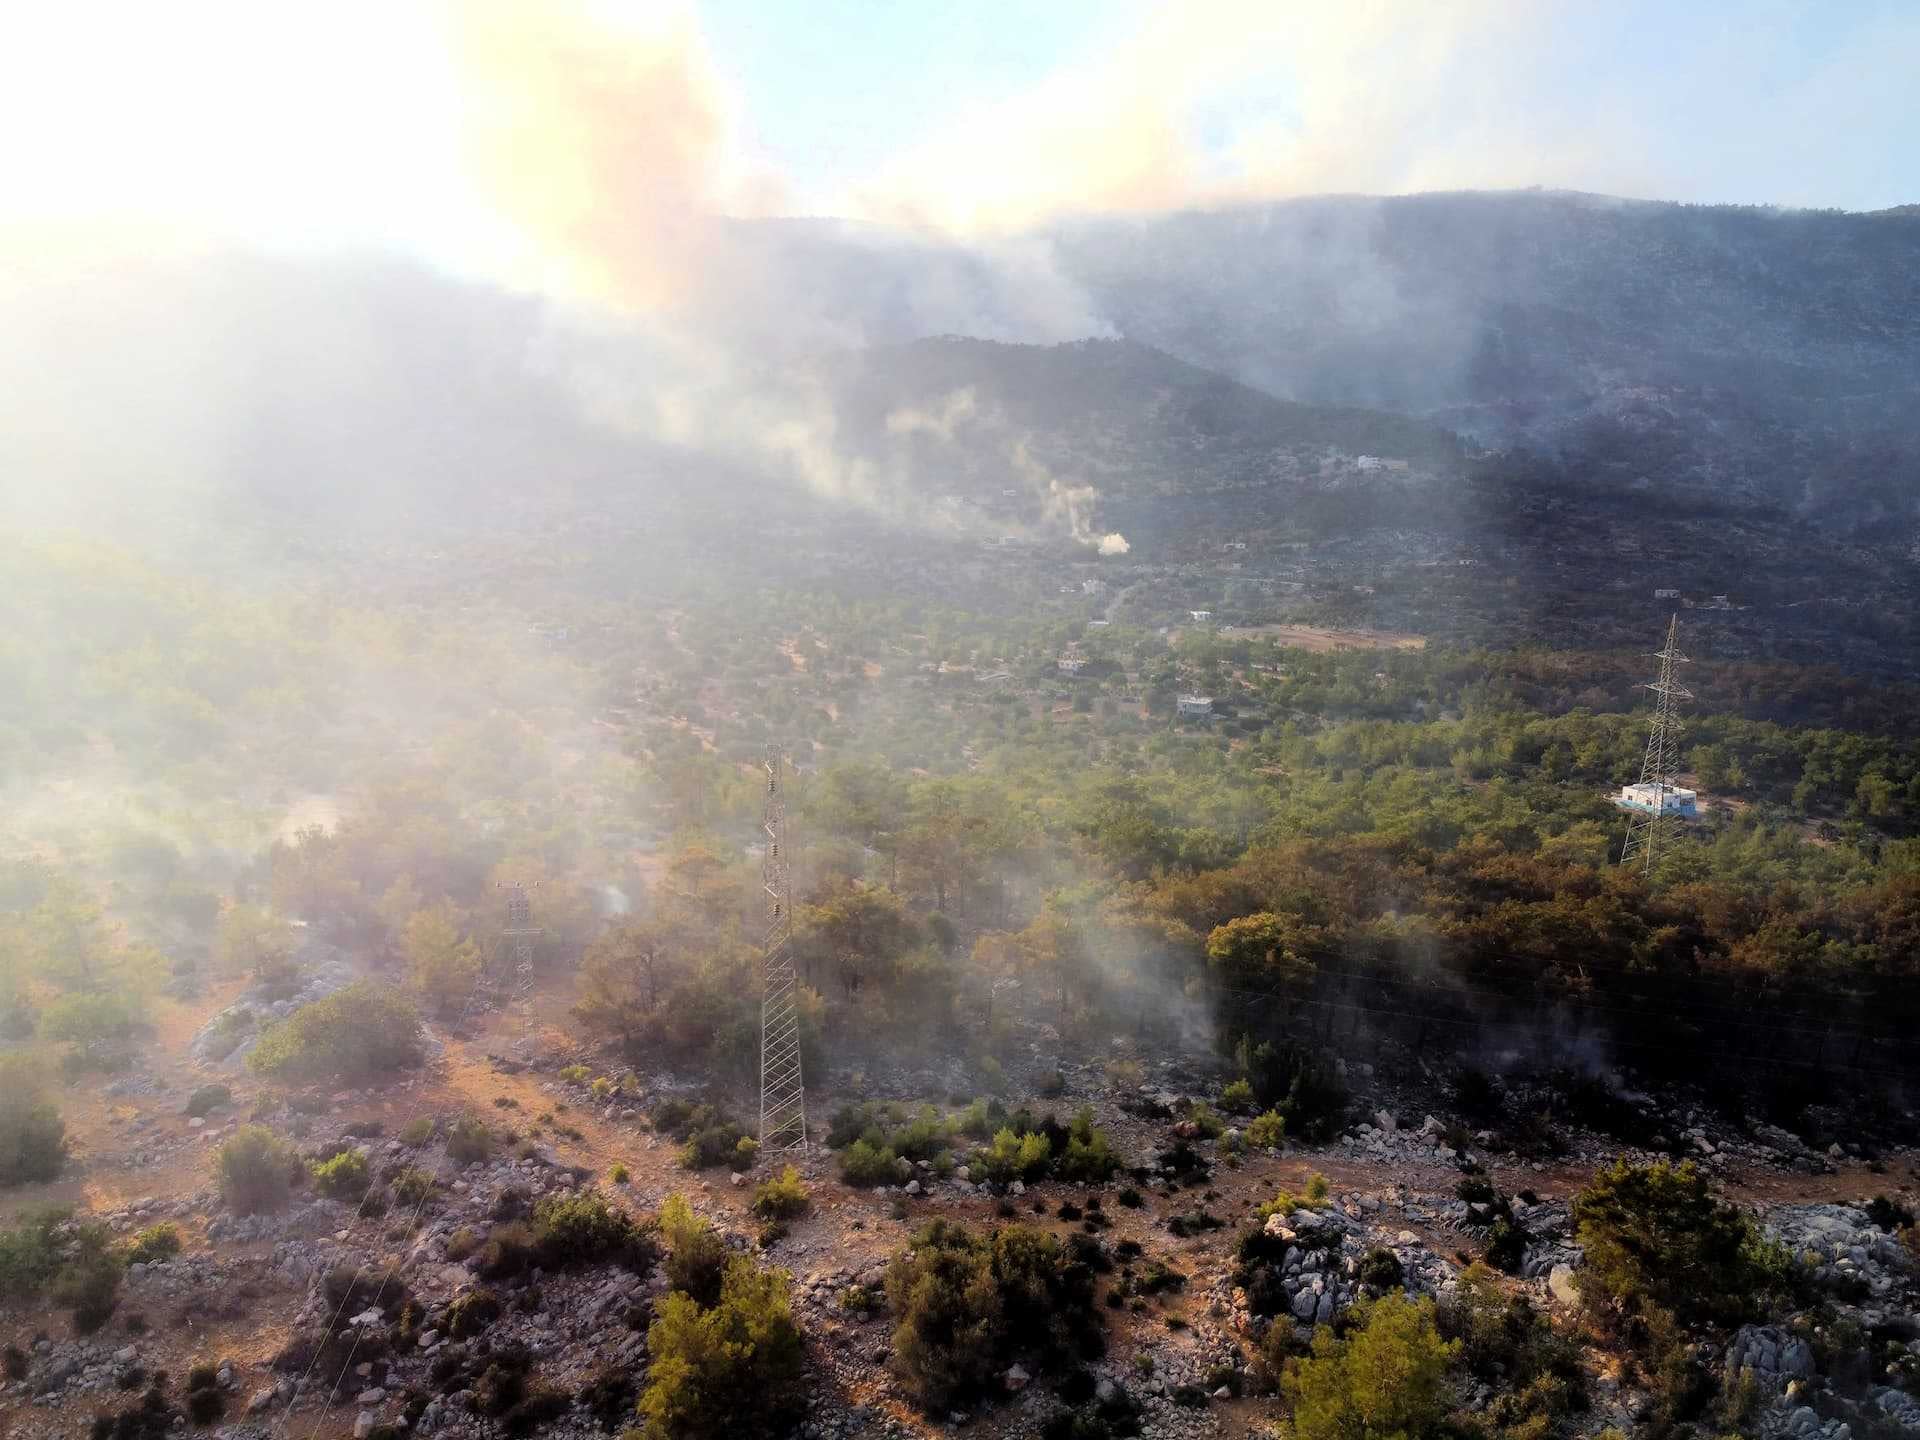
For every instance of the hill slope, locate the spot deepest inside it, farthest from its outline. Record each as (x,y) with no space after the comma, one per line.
(1761,356)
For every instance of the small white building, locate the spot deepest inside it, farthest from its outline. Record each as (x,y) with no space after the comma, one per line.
(1201,617)
(1666,594)
(1071,664)
(1194,707)
(1654,799)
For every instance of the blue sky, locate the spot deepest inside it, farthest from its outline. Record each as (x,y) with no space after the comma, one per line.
(371,121)
(1753,102)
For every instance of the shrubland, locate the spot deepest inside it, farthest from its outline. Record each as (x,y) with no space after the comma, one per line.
(966,1303)
(363,1031)
(726,1369)
(256,1170)
(33,1145)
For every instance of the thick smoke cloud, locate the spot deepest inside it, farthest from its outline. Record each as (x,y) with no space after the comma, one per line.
(610,148)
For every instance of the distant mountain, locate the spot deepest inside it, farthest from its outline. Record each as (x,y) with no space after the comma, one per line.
(1132,419)
(1756,355)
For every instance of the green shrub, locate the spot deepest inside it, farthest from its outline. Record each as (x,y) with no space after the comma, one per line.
(1296,1082)
(469,1140)
(980,1119)
(1507,1245)
(863,1164)
(88,1279)
(1205,1119)
(575,1074)
(343,1177)
(1380,1269)
(207,1099)
(1237,1098)
(949,1316)
(1088,1158)
(697,1257)
(719,1144)
(360,1031)
(602,1088)
(1016,1157)
(75,1266)
(783,1197)
(585,1229)
(619,1175)
(1536,1374)
(417,1132)
(728,1372)
(91,1017)
(965,1303)
(206,1402)
(155,1243)
(1387,1377)
(708,1134)
(30,1252)
(411,1186)
(33,1137)
(1267,1130)
(255,1170)
(508,1250)
(1655,1234)
(472,1314)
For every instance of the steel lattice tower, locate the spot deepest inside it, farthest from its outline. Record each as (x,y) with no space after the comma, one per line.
(520,931)
(783,1094)
(1647,832)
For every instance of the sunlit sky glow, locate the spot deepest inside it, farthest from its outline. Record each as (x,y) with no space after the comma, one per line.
(354,122)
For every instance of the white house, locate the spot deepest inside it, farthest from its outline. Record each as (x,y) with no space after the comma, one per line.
(1201,617)
(1652,799)
(1194,707)
(1071,664)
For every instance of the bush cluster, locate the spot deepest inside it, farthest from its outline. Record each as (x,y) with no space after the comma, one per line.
(1654,1235)
(155,1243)
(207,1099)
(708,1135)
(726,1371)
(256,1170)
(360,1031)
(696,1255)
(344,1176)
(965,1304)
(469,1140)
(33,1137)
(1386,1376)
(782,1198)
(74,1265)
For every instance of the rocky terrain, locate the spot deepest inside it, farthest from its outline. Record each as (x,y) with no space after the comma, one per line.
(419,1336)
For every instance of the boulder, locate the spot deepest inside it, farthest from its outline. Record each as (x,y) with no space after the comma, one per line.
(1560,1285)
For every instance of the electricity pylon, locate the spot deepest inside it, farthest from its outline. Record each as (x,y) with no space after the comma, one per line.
(521,931)
(1647,829)
(783,1093)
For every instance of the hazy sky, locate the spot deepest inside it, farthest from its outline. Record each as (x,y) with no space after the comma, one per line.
(488,133)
